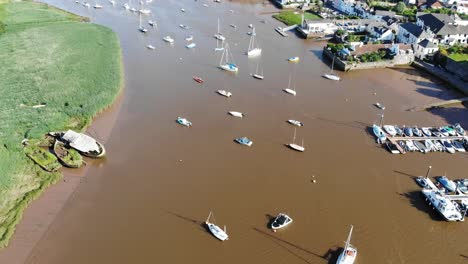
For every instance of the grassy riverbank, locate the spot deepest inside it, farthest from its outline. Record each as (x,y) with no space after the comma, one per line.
(50,58)
(294,18)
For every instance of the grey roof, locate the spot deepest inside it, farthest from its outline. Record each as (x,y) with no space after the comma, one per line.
(442,24)
(412,29)
(427,44)
(390,20)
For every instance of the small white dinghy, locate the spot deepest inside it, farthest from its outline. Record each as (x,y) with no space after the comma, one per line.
(168,39)
(379,105)
(152,23)
(293,59)
(348,256)
(145,11)
(183,121)
(215,230)
(97,6)
(281,221)
(294,145)
(295,123)
(189,38)
(224,93)
(236,114)
(151,47)
(191,45)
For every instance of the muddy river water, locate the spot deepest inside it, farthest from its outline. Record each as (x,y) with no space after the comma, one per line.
(149,199)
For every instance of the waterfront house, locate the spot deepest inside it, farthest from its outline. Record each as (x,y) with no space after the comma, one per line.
(317,28)
(461,7)
(380,31)
(410,33)
(292,3)
(345,6)
(443,29)
(424,48)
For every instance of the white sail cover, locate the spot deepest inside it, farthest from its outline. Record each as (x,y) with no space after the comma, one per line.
(81,141)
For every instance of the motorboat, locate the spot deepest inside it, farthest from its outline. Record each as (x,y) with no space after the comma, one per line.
(448,146)
(435,132)
(236,114)
(392,147)
(182,10)
(293,59)
(332,77)
(379,105)
(422,147)
(216,230)
(295,123)
(152,23)
(250,26)
(281,221)
(447,183)
(294,145)
(421,181)
(198,79)
(458,146)
(151,47)
(349,254)
(143,29)
(224,93)
(408,131)
(417,132)
(390,130)
(97,6)
(447,208)
(251,33)
(233,26)
(183,26)
(410,146)
(459,129)
(447,131)
(244,141)
(438,145)
(184,122)
(430,145)
(378,132)
(191,45)
(462,185)
(402,144)
(168,39)
(189,38)
(87,5)
(133,9)
(398,130)
(426,131)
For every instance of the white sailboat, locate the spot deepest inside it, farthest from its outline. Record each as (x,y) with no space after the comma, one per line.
(141,28)
(253,50)
(349,252)
(225,63)
(294,145)
(218,35)
(215,230)
(97,6)
(236,114)
(289,90)
(257,75)
(330,75)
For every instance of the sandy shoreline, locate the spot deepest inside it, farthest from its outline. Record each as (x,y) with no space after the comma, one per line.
(41,212)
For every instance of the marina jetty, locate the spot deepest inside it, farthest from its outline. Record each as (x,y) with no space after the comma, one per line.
(58,72)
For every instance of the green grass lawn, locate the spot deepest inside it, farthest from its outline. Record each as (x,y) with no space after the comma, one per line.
(459,57)
(289,18)
(47,56)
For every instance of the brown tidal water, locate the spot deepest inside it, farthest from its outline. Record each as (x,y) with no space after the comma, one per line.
(148,201)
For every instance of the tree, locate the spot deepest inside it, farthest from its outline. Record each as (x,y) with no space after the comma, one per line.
(400,7)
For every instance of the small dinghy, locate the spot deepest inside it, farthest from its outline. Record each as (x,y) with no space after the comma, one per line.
(191,45)
(421,181)
(281,221)
(250,26)
(184,122)
(408,131)
(295,123)
(198,79)
(448,146)
(189,38)
(293,59)
(168,39)
(151,47)
(182,10)
(398,131)
(349,254)
(152,23)
(97,6)
(233,26)
(215,230)
(447,183)
(331,77)
(390,130)
(183,26)
(379,105)
(112,2)
(426,131)
(244,141)
(459,129)
(236,114)
(224,93)
(458,146)
(68,157)
(392,147)
(417,132)
(145,11)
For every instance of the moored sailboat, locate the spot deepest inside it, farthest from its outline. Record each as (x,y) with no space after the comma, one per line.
(289,90)
(253,50)
(226,63)
(216,230)
(348,256)
(331,75)
(294,145)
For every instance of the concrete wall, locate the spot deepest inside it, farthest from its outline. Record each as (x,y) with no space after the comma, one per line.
(400,59)
(460,69)
(450,78)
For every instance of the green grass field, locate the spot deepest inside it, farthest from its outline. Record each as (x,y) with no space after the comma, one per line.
(289,18)
(459,57)
(47,57)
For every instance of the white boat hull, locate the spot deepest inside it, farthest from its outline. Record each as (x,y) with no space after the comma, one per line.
(217,232)
(229,68)
(236,114)
(347,257)
(331,77)
(290,91)
(296,147)
(224,93)
(151,47)
(256,76)
(254,52)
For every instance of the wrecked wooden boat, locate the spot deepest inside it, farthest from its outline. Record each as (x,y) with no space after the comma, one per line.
(42,157)
(68,157)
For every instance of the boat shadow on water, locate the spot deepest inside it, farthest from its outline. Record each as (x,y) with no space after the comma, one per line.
(418,201)
(200,224)
(330,256)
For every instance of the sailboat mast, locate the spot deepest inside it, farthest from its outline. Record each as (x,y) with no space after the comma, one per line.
(139,20)
(289,83)
(294,138)
(381,120)
(428,170)
(333,63)
(222,56)
(349,238)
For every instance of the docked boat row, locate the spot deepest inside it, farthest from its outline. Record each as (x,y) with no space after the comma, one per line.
(444,131)
(427,145)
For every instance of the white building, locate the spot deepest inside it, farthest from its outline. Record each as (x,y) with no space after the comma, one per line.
(410,33)
(292,3)
(443,29)
(424,48)
(379,31)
